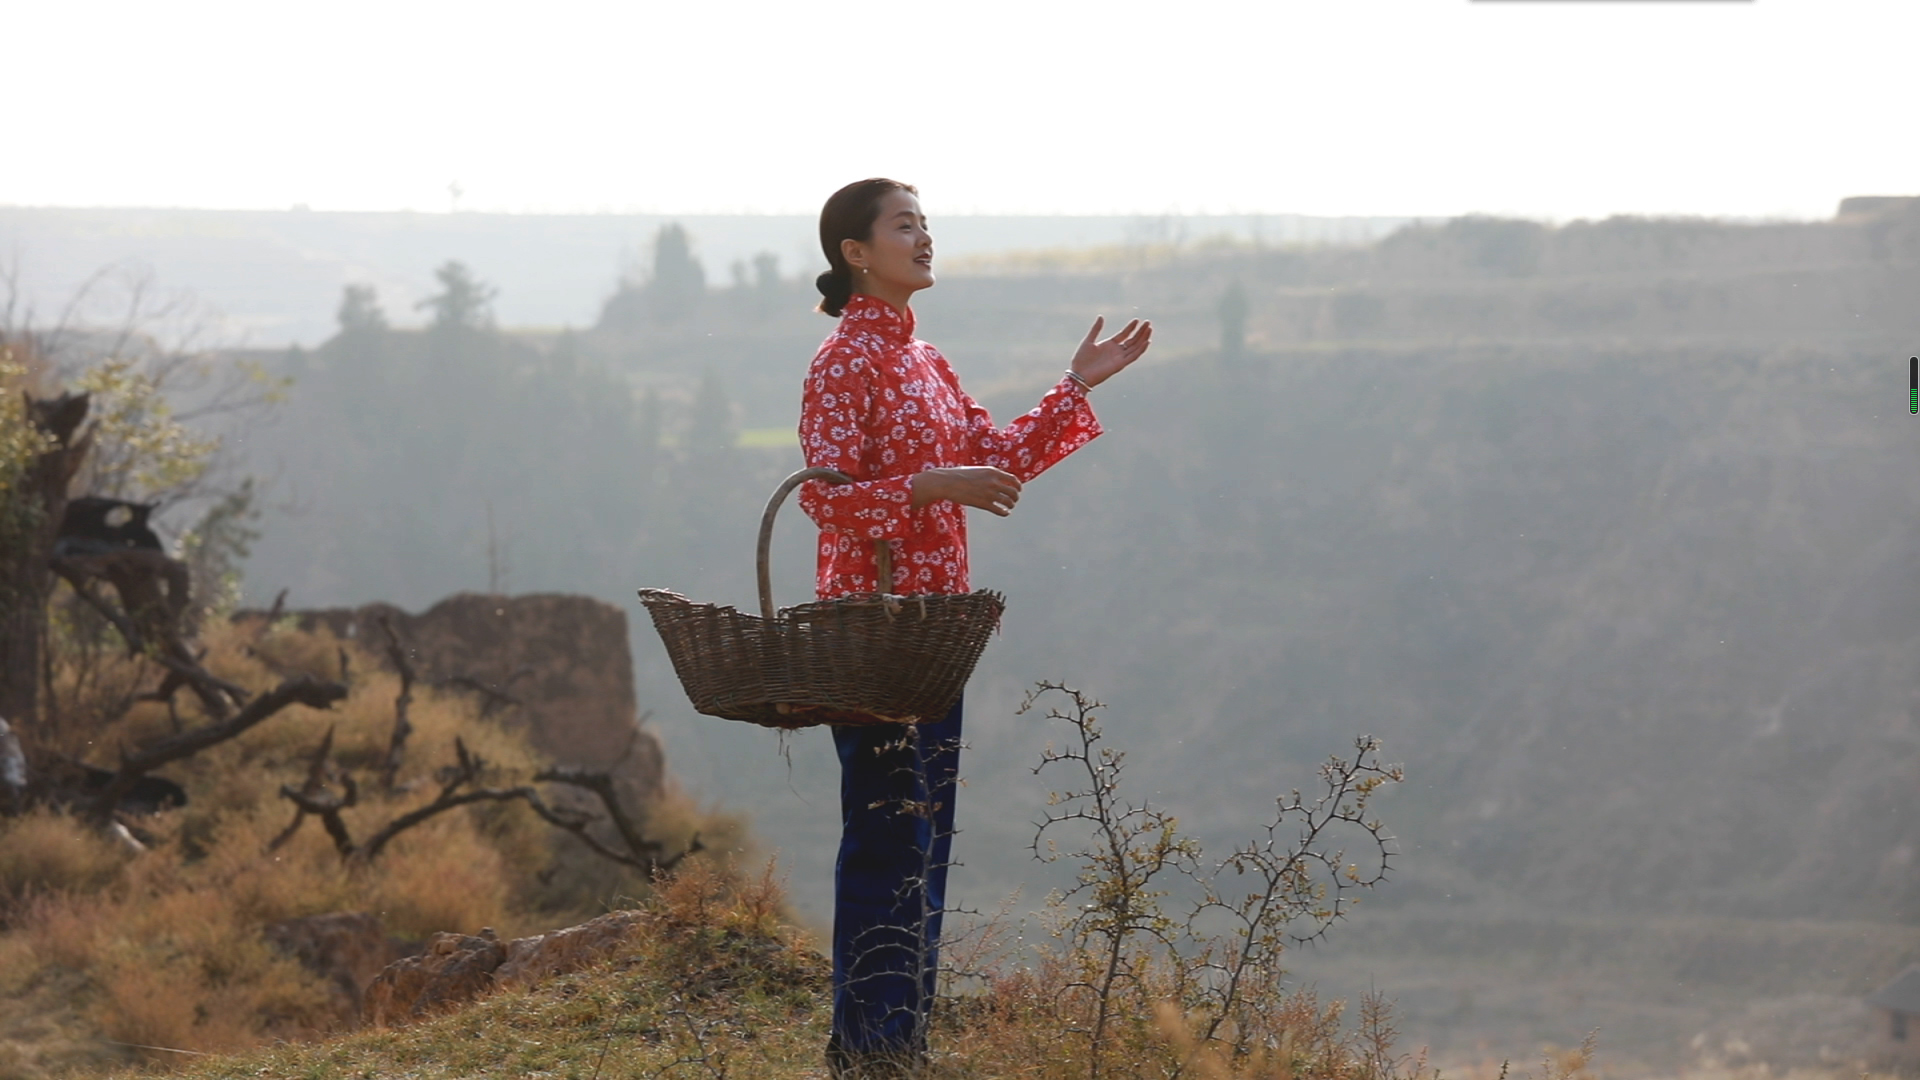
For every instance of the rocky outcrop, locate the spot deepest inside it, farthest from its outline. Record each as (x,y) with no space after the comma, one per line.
(458,968)
(454,969)
(536,959)
(559,666)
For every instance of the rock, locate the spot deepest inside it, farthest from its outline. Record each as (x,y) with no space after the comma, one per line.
(458,968)
(563,661)
(349,949)
(454,969)
(535,959)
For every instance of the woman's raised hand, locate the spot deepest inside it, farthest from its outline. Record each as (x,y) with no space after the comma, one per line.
(1097,361)
(983,486)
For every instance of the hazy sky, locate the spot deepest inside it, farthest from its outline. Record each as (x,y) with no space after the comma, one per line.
(1546,109)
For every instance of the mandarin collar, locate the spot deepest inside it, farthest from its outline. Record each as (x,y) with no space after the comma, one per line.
(872,314)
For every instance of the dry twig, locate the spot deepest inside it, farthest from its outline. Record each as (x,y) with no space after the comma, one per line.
(299,690)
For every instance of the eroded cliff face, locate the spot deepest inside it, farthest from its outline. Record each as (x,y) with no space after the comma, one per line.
(557,665)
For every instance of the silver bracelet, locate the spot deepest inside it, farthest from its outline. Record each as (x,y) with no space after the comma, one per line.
(1077,377)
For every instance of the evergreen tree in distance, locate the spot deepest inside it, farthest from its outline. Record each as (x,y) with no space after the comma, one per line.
(360,310)
(679,281)
(766,282)
(766,272)
(463,300)
(673,288)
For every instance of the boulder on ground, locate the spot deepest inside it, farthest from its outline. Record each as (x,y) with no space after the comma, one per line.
(532,960)
(559,666)
(458,968)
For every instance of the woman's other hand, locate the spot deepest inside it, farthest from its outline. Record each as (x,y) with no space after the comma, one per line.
(1097,361)
(982,486)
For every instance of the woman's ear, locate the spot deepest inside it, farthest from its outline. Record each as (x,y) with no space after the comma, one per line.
(855,253)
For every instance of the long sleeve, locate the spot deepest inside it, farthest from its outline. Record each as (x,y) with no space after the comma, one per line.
(1035,442)
(837,411)
(882,406)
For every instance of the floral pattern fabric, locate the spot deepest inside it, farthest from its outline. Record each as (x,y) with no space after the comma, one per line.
(880,406)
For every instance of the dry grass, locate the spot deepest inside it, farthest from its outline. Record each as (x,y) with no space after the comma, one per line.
(44,851)
(714,984)
(1033,1019)
(102,952)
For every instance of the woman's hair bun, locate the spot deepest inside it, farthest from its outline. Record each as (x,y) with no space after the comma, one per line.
(849,215)
(835,290)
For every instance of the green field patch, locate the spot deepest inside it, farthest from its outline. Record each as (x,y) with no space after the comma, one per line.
(769,438)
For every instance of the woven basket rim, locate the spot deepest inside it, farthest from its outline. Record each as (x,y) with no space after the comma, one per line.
(860,599)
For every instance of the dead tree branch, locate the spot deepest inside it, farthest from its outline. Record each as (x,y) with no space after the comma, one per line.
(299,690)
(402,727)
(165,648)
(274,612)
(312,797)
(641,854)
(601,785)
(459,787)
(466,772)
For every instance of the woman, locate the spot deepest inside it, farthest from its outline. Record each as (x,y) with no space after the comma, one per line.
(886,409)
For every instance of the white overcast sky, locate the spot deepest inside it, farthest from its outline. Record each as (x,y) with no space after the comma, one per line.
(1558,110)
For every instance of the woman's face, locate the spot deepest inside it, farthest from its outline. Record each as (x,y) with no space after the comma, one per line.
(898,256)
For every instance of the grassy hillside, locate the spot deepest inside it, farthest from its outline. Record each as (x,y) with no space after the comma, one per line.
(713,985)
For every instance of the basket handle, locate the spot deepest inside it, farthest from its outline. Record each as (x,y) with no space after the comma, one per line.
(882,551)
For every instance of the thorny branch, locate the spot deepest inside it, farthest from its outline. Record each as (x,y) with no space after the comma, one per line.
(1301,883)
(1132,845)
(713,1061)
(1304,877)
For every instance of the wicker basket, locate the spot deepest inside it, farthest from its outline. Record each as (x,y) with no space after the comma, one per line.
(864,659)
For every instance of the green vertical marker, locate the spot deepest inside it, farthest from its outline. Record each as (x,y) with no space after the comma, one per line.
(1913,399)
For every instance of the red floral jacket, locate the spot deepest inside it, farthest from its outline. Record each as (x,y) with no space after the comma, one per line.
(880,406)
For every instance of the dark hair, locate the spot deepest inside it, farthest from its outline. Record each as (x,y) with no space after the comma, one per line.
(849,215)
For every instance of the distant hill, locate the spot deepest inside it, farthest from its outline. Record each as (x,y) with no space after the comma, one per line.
(276,276)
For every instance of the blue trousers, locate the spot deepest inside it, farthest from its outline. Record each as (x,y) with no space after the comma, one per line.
(897,786)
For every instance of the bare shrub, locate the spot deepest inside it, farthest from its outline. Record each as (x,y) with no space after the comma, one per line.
(1127,986)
